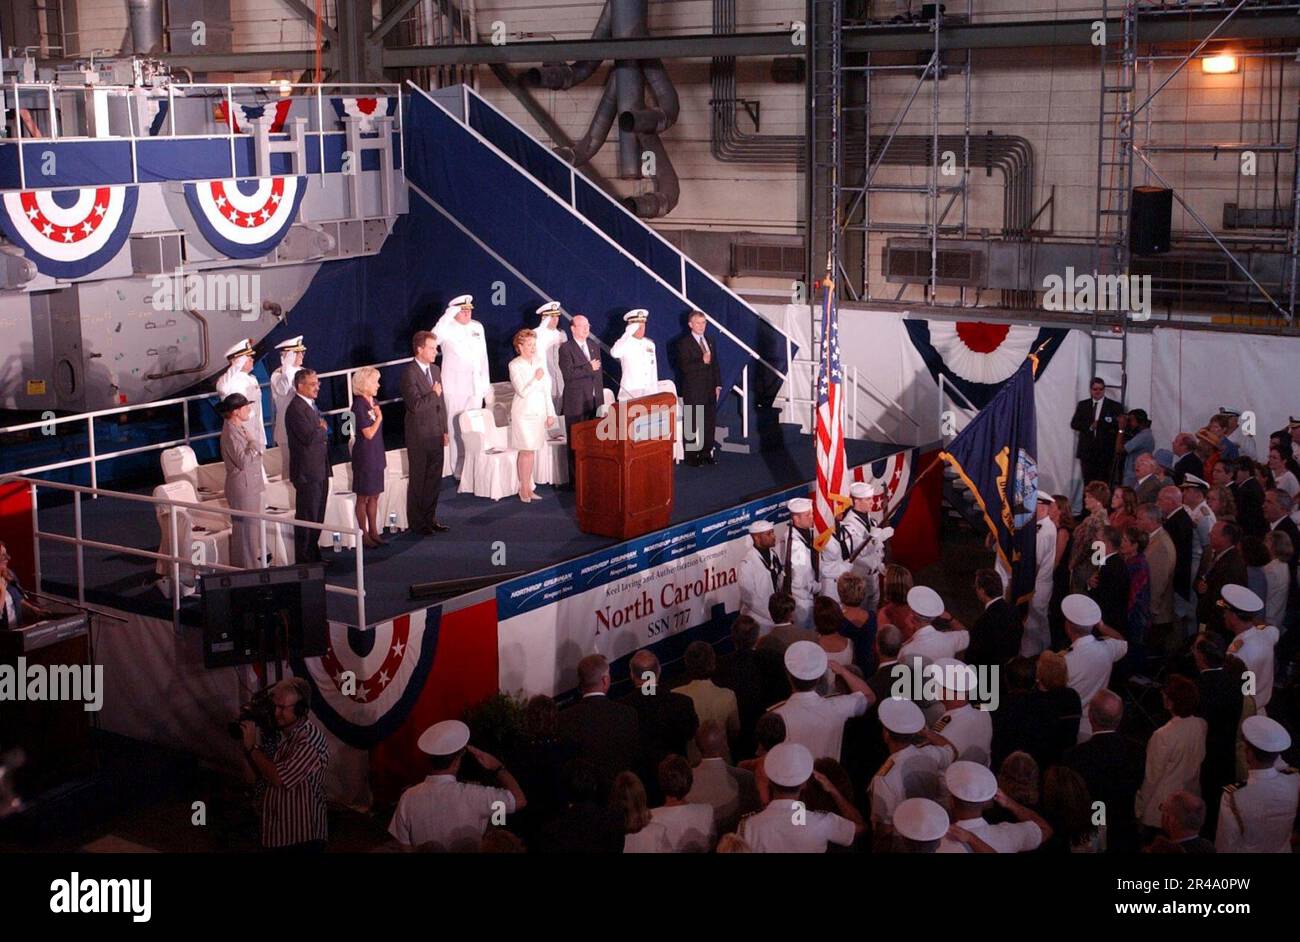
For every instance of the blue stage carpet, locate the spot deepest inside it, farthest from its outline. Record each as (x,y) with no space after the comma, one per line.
(532,536)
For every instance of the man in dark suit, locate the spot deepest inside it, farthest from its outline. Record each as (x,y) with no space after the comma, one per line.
(741,672)
(1223,565)
(1182,816)
(1249,496)
(426,434)
(701,386)
(1096,419)
(1113,766)
(1185,460)
(1178,524)
(579,360)
(1109,585)
(666,720)
(1277,514)
(995,636)
(588,825)
(1220,706)
(605,732)
(309,463)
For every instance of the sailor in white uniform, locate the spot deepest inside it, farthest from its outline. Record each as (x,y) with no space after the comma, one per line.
(292,353)
(967,727)
(760,574)
(915,764)
(549,340)
(635,352)
(1038,635)
(928,640)
(973,788)
(465,382)
(1258,815)
(238,378)
(785,826)
(853,530)
(805,562)
(1253,642)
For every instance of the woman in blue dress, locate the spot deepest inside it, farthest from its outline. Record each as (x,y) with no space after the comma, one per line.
(368,459)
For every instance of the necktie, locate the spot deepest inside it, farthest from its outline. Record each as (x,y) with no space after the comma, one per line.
(704,347)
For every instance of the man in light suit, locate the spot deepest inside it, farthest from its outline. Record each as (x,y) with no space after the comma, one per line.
(245,483)
(309,463)
(426,434)
(579,364)
(701,387)
(464,369)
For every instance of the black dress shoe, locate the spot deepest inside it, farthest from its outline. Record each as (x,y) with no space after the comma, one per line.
(440,528)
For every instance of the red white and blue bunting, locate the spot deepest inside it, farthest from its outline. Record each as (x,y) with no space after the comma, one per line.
(245,218)
(69,233)
(366,109)
(977,358)
(251,113)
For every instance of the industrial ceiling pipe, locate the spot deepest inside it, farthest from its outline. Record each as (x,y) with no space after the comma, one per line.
(559,76)
(146,17)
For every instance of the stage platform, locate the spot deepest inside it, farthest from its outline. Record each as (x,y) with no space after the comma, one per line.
(486,537)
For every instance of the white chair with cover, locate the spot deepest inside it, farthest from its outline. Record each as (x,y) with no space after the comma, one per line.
(274,461)
(180,464)
(397,479)
(490,468)
(340,508)
(679,451)
(552,465)
(203,536)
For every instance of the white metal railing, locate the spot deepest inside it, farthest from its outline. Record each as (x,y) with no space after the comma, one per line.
(854,382)
(81,543)
(93,458)
(273,90)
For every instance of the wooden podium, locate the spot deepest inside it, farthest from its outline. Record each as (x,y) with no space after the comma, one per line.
(624,467)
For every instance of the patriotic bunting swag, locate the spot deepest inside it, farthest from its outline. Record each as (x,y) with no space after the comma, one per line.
(69,233)
(245,218)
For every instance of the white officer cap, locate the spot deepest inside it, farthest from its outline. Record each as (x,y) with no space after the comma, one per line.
(636,316)
(800,505)
(761,526)
(1191,480)
(920,819)
(1046,498)
(789,764)
(549,309)
(1081,610)
(901,716)
(1240,599)
(957,676)
(444,739)
(292,345)
(805,660)
(242,349)
(461,300)
(970,781)
(1230,410)
(860,490)
(925,601)
(1265,734)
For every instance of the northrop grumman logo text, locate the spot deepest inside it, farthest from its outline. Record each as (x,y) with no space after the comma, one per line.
(54,682)
(917,679)
(1089,291)
(76,895)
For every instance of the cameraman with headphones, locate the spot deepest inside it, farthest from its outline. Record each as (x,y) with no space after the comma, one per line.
(293,798)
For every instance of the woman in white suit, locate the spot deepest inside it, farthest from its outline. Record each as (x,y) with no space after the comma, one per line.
(532,411)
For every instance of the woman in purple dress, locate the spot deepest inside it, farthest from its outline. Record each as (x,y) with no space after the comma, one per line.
(368,459)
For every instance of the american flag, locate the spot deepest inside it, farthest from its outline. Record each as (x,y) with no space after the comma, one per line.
(831,463)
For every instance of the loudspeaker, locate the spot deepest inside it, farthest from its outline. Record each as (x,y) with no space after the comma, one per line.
(1150,220)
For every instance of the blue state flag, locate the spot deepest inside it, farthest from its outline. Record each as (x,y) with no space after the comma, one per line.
(996,457)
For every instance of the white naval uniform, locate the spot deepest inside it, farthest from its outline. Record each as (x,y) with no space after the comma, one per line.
(1257,817)
(465,382)
(911,772)
(871,561)
(804,584)
(970,730)
(1254,647)
(453,815)
(757,584)
(1203,520)
(282,393)
(1087,665)
(549,342)
(1038,636)
(929,641)
(1009,837)
(817,723)
(234,380)
(785,826)
(640,376)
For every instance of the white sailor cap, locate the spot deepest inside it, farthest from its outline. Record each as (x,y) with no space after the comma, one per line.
(242,349)
(860,490)
(761,526)
(636,316)
(799,505)
(292,345)
(444,739)
(805,660)
(920,819)
(1191,480)
(1229,410)
(901,716)
(462,300)
(549,309)
(1046,498)
(970,781)
(1240,599)
(1081,610)
(1265,734)
(788,764)
(956,676)
(924,601)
